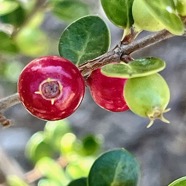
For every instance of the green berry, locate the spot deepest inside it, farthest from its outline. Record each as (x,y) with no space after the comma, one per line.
(148,96)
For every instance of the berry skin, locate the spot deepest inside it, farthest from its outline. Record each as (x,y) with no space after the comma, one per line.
(51,87)
(148,96)
(107,92)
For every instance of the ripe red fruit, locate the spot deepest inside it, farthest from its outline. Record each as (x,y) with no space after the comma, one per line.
(107,92)
(51,87)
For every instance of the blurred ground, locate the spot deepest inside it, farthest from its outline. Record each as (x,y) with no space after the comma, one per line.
(161,150)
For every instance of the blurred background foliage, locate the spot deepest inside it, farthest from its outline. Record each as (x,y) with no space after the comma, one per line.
(32,28)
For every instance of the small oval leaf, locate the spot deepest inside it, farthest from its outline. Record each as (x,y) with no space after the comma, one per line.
(85,39)
(78,182)
(119,12)
(136,68)
(7,6)
(7,45)
(116,167)
(179,182)
(166,13)
(64,10)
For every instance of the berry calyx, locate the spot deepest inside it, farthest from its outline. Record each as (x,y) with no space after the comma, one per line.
(107,92)
(51,87)
(148,96)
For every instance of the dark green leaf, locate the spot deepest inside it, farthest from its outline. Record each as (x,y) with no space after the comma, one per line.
(7,6)
(7,45)
(78,182)
(166,13)
(117,168)
(91,145)
(85,39)
(70,10)
(119,12)
(179,182)
(136,68)
(16,17)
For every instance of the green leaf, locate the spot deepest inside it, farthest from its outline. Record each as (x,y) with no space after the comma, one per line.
(52,170)
(37,147)
(48,182)
(13,180)
(91,145)
(119,12)
(116,167)
(166,13)
(78,182)
(179,182)
(32,42)
(16,17)
(79,166)
(55,130)
(7,45)
(136,68)
(7,6)
(84,39)
(181,7)
(70,10)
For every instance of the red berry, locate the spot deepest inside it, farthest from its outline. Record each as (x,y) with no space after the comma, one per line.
(107,92)
(51,87)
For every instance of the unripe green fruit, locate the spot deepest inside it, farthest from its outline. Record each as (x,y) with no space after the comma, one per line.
(181,7)
(148,96)
(143,19)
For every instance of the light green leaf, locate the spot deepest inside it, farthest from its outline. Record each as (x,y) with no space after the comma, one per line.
(13,180)
(52,170)
(55,130)
(179,182)
(70,10)
(78,182)
(48,182)
(84,39)
(37,147)
(165,12)
(7,6)
(181,7)
(136,68)
(119,12)
(114,168)
(7,45)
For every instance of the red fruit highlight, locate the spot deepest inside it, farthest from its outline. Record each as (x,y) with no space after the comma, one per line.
(107,92)
(51,87)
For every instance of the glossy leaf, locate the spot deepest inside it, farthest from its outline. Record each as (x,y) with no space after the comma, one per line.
(70,10)
(166,13)
(52,170)
(119,12)
(136,68)
(7,45)
(179,182)
(55,130)
(7,6)
(16,17)
(78,182)
(84,39)
(37,147)
(13,180)
(116,167)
